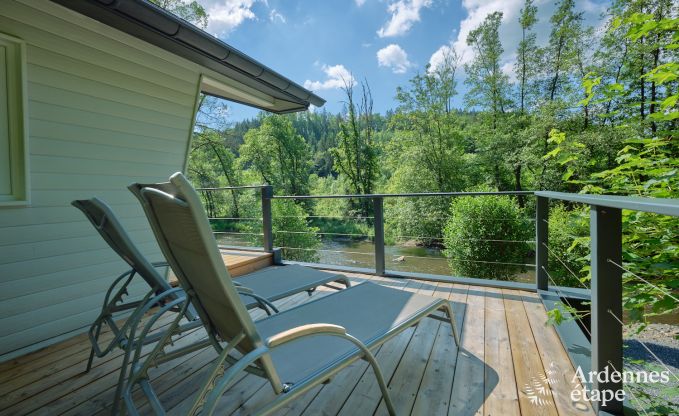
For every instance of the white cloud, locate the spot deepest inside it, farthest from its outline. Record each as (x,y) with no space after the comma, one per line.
(394,57)
(227,15)
(276,15)
(359,3)
(438,57)
(404,13)
(510,30)
(337,76)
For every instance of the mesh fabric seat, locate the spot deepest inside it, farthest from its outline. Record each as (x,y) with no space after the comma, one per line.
(295,349)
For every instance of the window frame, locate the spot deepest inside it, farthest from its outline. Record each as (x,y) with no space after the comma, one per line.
(17,118)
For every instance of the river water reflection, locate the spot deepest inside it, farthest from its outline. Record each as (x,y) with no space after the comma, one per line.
(403,258)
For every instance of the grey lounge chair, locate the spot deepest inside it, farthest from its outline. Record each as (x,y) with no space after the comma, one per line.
(258,289)
(294,350)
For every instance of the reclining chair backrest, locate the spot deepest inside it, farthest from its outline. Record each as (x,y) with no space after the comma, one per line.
(184,234)
(105,222)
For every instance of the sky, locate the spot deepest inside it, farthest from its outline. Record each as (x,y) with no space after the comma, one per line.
(320,44)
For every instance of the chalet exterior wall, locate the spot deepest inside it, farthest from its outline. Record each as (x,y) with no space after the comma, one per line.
(104,110)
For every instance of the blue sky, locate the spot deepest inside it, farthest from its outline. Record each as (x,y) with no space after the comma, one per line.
(317,43)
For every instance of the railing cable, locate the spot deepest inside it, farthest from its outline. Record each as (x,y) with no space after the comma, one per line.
(235,233)
(466,260)
(329,251)
(630,390)
(467,239)
(643,344)
(562,296)
(564,265)
(643,280)
(235,218)
(322,233)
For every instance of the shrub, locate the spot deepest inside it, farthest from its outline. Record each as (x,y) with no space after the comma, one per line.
(291,229)
(568,239)
(476,220)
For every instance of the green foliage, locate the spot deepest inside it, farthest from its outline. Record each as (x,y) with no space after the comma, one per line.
(278,154)
(356,152)
(474,221)
(645,166)
(569,239)
(291,230)
(488,85)
(191,11)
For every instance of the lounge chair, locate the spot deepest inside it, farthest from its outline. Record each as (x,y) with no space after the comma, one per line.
(256,290)
(294,350)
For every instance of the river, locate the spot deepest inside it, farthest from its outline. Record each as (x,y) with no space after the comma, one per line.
(354,253)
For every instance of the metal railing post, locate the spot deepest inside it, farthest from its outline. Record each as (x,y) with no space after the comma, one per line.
(606,246)
(378,225)
(541,238)
(267,224)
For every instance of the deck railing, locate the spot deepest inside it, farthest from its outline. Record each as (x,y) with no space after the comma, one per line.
(606,268)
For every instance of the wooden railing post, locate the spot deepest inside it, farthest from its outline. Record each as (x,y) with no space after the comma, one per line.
(267,224)
(378,224)
(606,246)
(541,239)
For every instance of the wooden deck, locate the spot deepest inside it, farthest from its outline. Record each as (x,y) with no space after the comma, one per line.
(240,262)
(510,363)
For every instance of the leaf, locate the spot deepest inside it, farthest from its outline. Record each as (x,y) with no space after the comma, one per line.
(670,101)
(665,304)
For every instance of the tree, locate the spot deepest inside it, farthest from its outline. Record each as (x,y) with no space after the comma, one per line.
(488,85)
(191,11)
(212,164)
(562,51)
(355,155)
(526,61)
(426,129)
(278,155)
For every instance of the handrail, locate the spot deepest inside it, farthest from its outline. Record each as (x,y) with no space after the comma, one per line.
(664,206)
(605,252)
(403,195)
(230,188)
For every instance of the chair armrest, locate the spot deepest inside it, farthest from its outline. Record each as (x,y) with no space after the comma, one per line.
(244,290)
(302,331)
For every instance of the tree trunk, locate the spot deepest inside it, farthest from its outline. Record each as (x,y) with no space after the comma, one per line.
(517,184)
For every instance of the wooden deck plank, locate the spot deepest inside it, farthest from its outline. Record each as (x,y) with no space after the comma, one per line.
(266,394)
(557,365)
(330,398)
(434,392)
(62,397)
(249,385)
(238,263)
(50,385)
(467,394)
(535,396)
(182,394)
(500,382)
(366,395)
(505,348)
(406,380)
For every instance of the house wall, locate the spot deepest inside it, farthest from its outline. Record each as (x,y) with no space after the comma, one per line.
(105,110)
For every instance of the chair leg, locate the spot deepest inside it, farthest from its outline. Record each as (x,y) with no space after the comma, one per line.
(456,334)
(90,360)
(383,385)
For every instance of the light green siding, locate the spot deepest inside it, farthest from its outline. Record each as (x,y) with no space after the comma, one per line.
(105,109)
